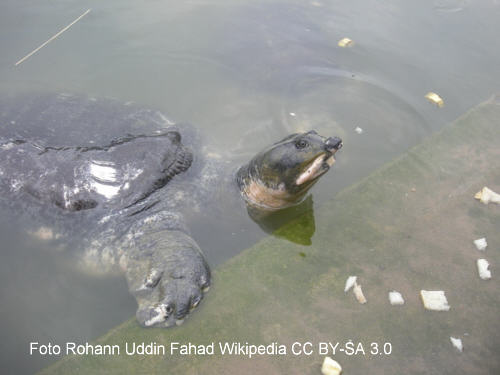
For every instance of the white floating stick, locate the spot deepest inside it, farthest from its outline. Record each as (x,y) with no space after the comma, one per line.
(482,267)
(434,300)
(457,343)
(481,244)
(395,298)
(52,38)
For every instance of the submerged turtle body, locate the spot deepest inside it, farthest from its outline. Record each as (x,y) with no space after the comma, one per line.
(119,179)
(81,153)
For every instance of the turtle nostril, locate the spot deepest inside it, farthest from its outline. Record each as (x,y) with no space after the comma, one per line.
(333,143)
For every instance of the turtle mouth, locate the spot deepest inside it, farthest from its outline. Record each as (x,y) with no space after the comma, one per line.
(315,169)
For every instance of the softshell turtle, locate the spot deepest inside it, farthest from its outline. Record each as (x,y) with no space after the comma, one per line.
(119,179)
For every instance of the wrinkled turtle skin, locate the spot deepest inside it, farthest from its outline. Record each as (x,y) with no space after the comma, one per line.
(117,179)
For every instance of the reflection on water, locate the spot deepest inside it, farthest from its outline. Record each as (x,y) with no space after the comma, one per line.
(245,73)
(303,213)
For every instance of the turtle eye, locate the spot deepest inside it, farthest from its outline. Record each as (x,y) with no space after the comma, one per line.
(301,144)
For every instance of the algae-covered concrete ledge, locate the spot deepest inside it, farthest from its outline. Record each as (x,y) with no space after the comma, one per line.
(409,226)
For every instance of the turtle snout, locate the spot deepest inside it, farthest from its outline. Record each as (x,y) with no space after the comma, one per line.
(333,143)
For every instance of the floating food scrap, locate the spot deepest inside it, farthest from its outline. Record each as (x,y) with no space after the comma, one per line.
(358,130)
(434,300)
(359,293)
(330,367)
(482,267)
(345,42)
(457,343)
(395,298)
(434,98)
(481,244)
(487,195)
(350,282)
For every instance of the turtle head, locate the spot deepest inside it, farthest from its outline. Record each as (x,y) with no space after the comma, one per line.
(282,174)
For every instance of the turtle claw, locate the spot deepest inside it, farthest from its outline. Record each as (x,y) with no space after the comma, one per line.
(153,278)
(175,280)
(149,283)
(152,316)
(180,297)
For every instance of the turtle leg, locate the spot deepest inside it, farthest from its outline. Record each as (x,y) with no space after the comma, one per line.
(169,279)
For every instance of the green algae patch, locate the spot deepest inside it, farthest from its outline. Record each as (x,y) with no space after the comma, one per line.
(408,226)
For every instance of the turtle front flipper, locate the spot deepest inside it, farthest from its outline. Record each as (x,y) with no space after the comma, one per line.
(167,275)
